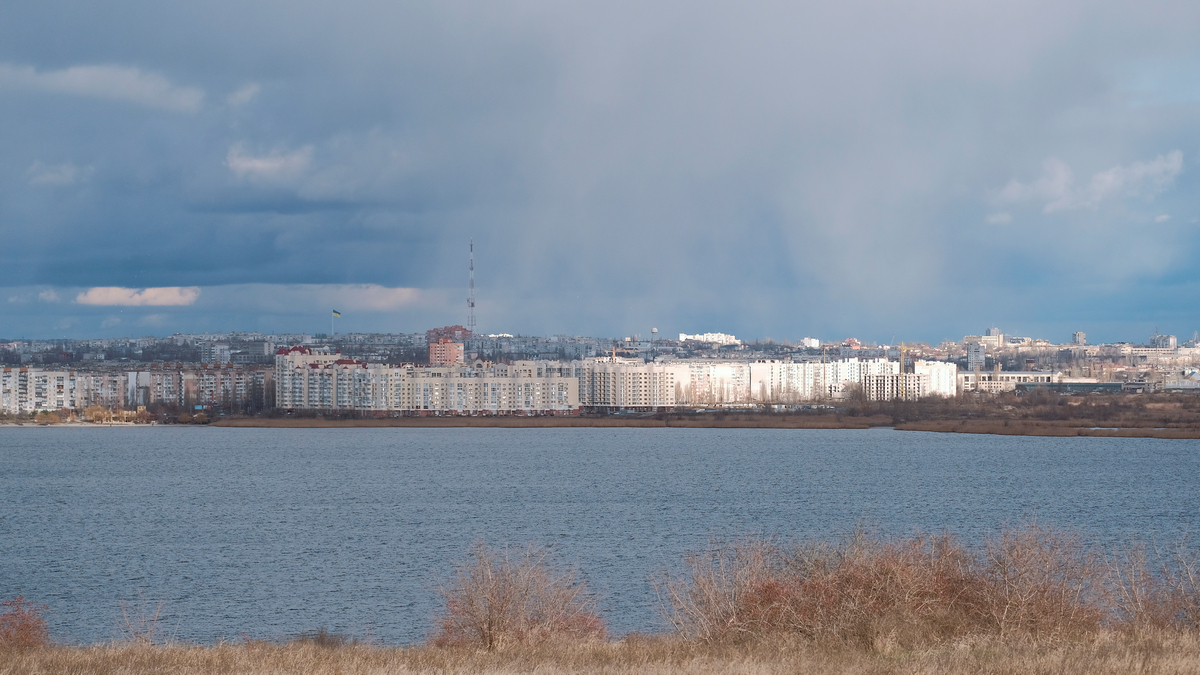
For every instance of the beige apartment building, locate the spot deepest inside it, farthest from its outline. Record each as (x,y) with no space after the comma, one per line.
(314,379)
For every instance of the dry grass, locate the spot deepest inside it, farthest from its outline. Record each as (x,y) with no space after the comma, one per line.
(1103,654)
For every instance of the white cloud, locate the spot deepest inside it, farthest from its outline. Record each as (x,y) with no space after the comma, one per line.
(110,322)
(1137,179)
(243,95)
(132,297)
(1057,188)
(1001,218)
(272,167)
(1162,219)
(1054,186)
(57,174)
(117,83)
(48,295)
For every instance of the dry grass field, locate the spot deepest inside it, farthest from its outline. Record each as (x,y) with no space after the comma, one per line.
(1044,413)
(1102,654)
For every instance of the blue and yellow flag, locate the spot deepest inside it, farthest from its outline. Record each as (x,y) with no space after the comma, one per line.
(336,313)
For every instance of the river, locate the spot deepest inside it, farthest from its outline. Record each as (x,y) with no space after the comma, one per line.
(267,533)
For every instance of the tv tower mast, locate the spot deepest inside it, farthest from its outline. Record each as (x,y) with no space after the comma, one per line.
(471,293)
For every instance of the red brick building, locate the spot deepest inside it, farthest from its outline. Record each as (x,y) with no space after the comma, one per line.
(445,352)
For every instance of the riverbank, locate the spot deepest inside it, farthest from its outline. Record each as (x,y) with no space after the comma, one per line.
(1107,654)
(1001,421)
(1004,427)
(1165,416)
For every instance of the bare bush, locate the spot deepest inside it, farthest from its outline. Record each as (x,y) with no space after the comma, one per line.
(725,593)
(861,591)
(1043,582)
(1151,590)
(22,625)
(1184,579)
(1030,581)
(497,599)
(139,624)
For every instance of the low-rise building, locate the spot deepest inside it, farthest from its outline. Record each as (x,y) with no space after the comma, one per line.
(996,381)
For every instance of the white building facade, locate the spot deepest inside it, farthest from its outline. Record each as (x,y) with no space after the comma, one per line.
(24,390)
(315,379)
(943,377)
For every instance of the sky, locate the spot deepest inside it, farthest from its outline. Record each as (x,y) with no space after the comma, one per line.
(888,170)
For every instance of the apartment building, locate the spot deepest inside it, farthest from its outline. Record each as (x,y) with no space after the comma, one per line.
(615,382)
(774,381)
(445,352)
(315,379)
(896,386)
(943,377)
(24,390)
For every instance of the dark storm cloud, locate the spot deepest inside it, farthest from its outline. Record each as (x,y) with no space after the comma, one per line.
(759,168)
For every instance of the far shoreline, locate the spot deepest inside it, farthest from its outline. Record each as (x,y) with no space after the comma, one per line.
(1058,428)
(1137,425)
(728,421)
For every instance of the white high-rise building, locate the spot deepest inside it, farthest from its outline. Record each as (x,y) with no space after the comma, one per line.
(943,377)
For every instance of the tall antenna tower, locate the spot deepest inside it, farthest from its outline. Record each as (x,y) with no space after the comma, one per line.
(471,293)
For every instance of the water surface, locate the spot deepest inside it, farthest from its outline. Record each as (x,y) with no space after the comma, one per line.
(271,532)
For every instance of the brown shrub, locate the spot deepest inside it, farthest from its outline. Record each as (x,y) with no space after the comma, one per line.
(496,599)
(22,625)
(1030,581)
(859,591)
(1042,582)
(1151,591)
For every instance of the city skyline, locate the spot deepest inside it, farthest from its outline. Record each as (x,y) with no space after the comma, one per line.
(770,171)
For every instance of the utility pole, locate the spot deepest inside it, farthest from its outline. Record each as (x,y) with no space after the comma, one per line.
(471,293)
